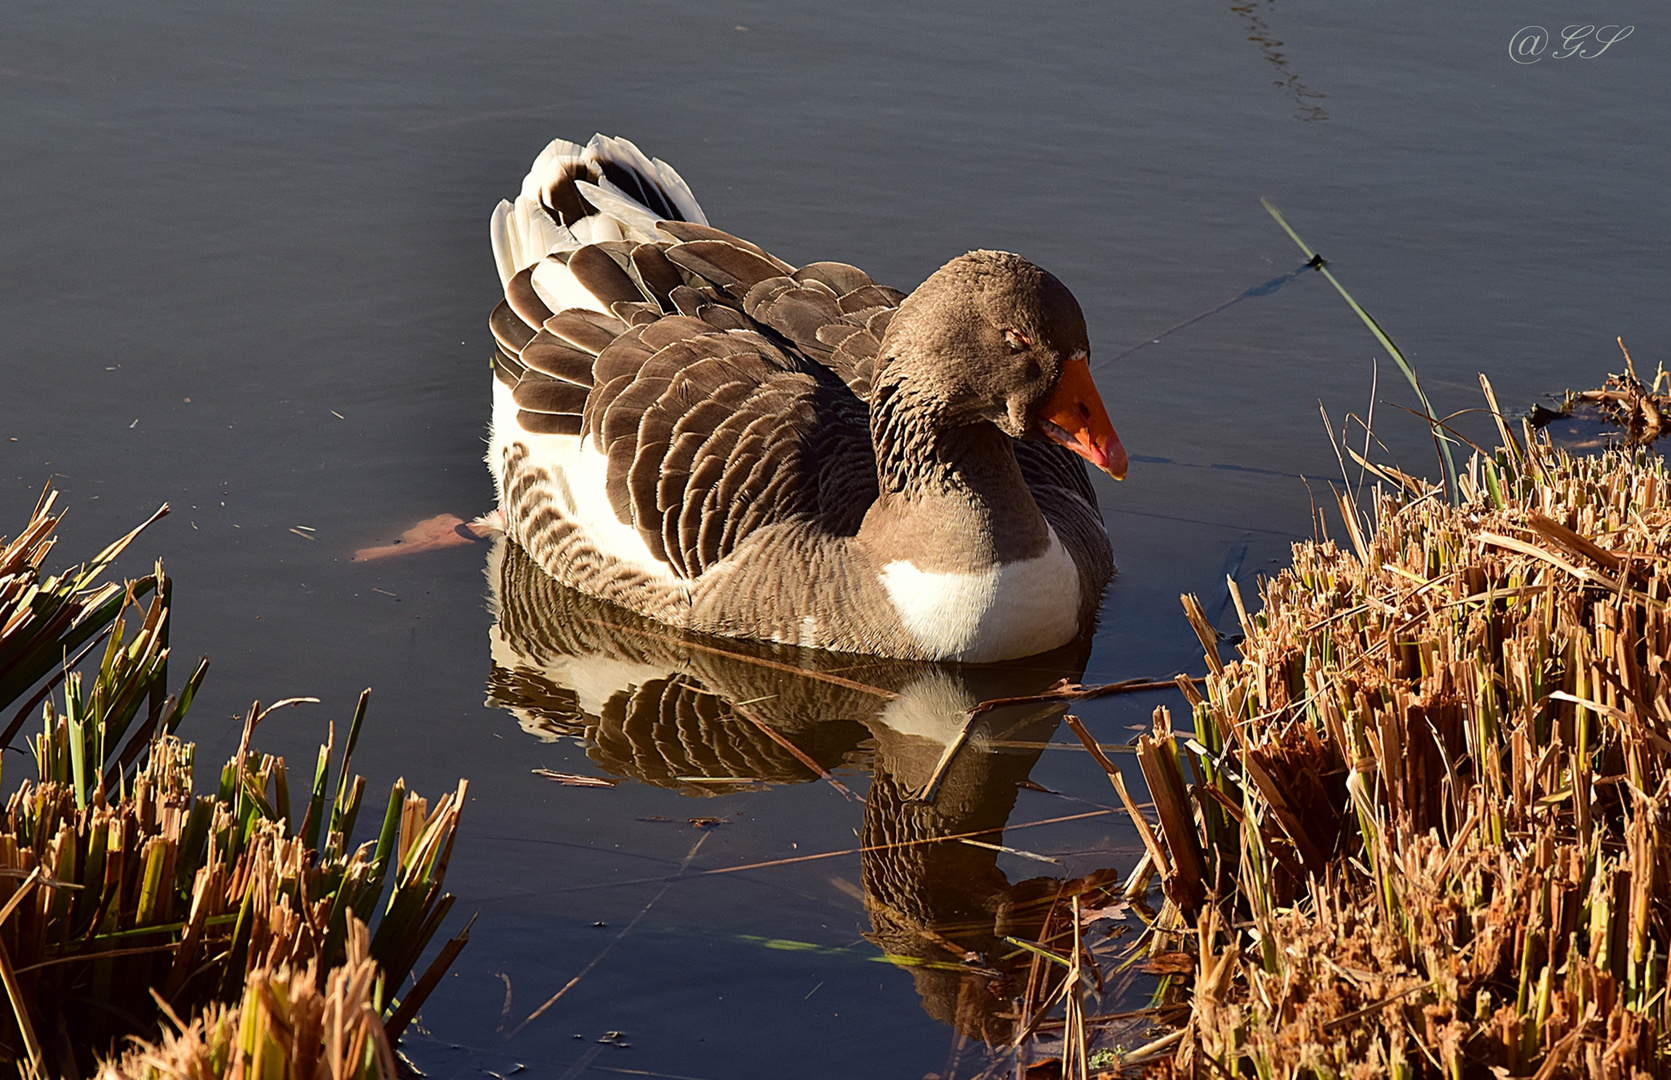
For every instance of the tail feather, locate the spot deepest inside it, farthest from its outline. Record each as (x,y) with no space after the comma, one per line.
(575,195)
(649,181)
(548,170)
(523,234)
(615,203)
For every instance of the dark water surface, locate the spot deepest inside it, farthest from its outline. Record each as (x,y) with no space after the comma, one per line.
(246,271)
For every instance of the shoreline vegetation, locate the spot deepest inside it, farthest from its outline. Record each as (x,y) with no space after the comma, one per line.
(1419,828)
(1414,826)
(148,931)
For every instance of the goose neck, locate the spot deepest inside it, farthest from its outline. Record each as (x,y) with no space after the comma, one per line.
(950,495)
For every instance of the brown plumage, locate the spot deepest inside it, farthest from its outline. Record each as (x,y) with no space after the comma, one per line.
(802,456)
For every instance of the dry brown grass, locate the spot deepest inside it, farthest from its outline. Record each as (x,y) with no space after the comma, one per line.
(289,1025)
(1421,828)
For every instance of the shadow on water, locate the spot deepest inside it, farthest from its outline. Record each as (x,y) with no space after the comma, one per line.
(707,716)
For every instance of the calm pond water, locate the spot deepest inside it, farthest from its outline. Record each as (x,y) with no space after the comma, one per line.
(246,272)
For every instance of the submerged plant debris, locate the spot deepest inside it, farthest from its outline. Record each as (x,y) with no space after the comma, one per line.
(1421,829)
(1624,411)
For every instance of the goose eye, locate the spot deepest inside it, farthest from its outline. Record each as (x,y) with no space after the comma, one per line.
(1017,339)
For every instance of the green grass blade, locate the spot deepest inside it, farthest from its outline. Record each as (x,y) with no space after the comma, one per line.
(1440,439)
(348,756)
(186,694)
(309,830)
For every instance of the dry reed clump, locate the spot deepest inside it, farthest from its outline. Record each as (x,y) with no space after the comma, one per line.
(166,899)
(125,896)
(1424,826)
(289,1023)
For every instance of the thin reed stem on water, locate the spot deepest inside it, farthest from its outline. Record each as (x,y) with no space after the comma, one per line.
(1441,441)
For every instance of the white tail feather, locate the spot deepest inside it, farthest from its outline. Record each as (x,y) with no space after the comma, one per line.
(524,233)
(619,205)
(655,170)
(677,190)
(548,167)
(500,231)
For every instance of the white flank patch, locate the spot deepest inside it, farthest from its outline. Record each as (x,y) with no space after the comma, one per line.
(996,614)
(583,470)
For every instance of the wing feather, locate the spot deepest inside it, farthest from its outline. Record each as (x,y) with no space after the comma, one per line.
(840,277)
(640,313)
(620,204)
(586,329)
(686,438)
(773,471)
(715,421)
(619,427)
(871,296)
(692,470)
(509,330)
(542,395)
(733,268)
(520,295)
(551,355)
(506,368)
(672,328)
(623,356)
(657,276)
(724,317)
(747,472)
(602,276)
(716,457)
(833,334)
(686,230)
(798,312)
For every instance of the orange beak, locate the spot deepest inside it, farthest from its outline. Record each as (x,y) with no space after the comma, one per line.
(1075,417)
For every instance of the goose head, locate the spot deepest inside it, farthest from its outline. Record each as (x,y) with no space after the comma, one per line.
(990,337)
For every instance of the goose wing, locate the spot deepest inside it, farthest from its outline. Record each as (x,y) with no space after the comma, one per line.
(711,434)
(710,381)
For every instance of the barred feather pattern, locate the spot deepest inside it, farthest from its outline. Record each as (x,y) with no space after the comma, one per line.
(531,501)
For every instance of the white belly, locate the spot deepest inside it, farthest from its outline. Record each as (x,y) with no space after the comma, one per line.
(999,613)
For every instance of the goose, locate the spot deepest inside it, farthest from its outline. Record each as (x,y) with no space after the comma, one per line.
(689,427)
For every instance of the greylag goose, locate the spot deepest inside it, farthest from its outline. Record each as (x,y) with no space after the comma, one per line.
(693,429)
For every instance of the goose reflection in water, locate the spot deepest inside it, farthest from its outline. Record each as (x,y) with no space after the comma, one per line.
(689,713)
